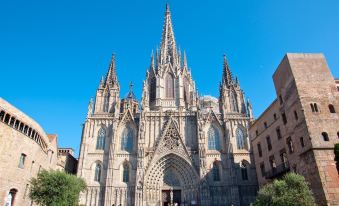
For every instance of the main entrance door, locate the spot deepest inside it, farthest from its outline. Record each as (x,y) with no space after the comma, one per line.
(171,197)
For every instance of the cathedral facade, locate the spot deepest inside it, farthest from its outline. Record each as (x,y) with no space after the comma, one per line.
(172,148)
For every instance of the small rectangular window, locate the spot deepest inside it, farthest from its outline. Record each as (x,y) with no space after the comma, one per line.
(290,144)
(296,115)
(281,99)
(278,132)
(269,144)
(283,115)
(265,124)
(262,169)
(272,162)
(22,160)
(302,142)
(275,116)
(259,150)
(256,132)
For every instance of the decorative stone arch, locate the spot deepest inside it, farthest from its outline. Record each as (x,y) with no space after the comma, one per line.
(216,164)
(170,156)
(244,166)
(187,179)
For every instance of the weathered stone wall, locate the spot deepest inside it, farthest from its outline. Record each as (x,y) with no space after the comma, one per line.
(13,143)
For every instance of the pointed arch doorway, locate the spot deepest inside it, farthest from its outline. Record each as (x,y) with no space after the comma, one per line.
(171,181)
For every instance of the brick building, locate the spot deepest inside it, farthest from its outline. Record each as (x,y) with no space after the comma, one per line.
(25,149)
(298,131)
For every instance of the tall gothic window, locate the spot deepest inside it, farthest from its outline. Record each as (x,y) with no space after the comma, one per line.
(240,139)
(153,89)
(169,86)
(127,139)
(243,168)
(234,105)
(101,139)
(216,172)
(125,173)
(213,139)
(97,172)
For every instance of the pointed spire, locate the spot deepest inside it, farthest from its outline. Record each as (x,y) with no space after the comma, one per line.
(152,60)
(130,94)
(227,75)
(111,78)
(168,50)
(185,60)
(102,82)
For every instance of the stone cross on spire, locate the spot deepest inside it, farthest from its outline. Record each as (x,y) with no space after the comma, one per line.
(168,50)
(227,75)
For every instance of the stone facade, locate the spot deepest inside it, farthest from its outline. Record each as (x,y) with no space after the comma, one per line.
(25,149)
(66,160)
(297,132)
(176,147)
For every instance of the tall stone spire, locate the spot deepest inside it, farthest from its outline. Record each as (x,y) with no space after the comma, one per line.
(168,50)
(227,75)
(111,78)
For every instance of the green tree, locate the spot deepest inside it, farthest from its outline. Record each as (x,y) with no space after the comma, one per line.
(56,188)
(291,190)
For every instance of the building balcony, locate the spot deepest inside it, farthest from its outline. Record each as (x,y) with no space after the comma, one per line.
(278,171)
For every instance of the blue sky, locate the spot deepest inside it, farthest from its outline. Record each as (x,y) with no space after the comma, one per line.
(53,53)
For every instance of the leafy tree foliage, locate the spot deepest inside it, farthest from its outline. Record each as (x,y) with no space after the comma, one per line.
(56,188)
(291,190)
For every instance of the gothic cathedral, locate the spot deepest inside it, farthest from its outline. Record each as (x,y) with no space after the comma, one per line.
(175,147)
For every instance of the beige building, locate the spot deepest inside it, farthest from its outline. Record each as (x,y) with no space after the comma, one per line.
(25,149)
(297,132)
(176,147)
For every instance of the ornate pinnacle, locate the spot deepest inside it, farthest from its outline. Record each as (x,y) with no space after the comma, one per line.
(111,78)
(227,75)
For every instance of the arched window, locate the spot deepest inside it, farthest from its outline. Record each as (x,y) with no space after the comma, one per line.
(97,173)
(169,86)
(11,197)
(216,172)
(316,107)
(153,89)
(127,140)
(125,173)
(240,139)
(325,136)
(331,108)
(234,105)
(213,139)
(101,139)
(243,168)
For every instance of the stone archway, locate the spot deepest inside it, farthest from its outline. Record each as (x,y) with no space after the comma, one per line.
(171,175)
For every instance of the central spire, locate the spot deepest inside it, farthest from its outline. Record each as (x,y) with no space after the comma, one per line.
(168,50)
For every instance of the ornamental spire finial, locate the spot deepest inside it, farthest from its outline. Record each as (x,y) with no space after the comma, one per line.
(168,51)
(227,75)
(111,78)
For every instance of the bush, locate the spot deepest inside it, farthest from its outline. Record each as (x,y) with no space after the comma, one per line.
(291,190)
(56,188)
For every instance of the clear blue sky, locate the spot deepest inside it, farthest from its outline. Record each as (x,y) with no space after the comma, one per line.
(53,53)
